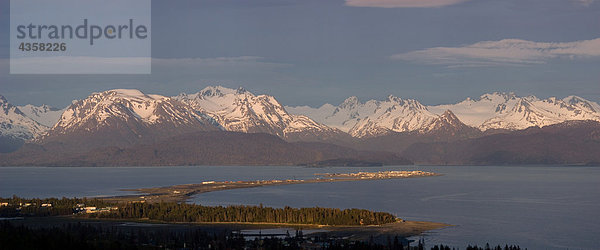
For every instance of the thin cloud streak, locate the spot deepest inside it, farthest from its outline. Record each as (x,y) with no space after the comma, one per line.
(505,52)
(402,3)
(255,61)
(585,3)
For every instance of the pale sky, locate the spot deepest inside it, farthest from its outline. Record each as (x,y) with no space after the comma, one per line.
(310,52)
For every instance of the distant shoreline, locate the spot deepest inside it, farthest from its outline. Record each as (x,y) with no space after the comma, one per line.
(181,193)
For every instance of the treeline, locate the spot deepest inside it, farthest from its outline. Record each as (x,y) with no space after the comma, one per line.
(475,247)
(175,212)
(87,236)
(96,236)
(17,206)
(498,247)
(182,212)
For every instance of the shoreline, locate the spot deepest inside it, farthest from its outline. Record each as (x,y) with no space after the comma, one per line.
(362,233)
(183,192)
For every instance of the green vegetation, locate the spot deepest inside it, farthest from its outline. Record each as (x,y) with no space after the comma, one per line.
(93,235)
(17,206)
(175,212)
(182,212)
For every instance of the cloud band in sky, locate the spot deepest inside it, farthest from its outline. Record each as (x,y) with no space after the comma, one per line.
(402,3)
(503,52)
(585,2)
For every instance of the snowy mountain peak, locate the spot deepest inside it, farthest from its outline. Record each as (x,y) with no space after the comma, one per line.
(395,99)
(393,115)
(219,91)
(574,99)
(128,109)
(42,108)
(522,105)
(8,107)
(132,94)
(582,103)
(523,112)
(241,90)
(15,124)
(3,100)
(497,110)
(449,116)
(214,98)
(497,96)
(415,104)
(448,124)
(371,118)
(350,103)
(241,111)
(45,115)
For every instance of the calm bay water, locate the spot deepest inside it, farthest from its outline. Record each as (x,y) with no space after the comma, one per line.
(539,207)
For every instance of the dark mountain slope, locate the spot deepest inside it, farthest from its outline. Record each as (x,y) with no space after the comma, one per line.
(202,148)
(573,142)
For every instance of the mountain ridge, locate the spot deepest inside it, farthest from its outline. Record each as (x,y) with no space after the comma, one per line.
(134,128)
(492,111)
(239,110)
(139,115)
(571,142)
(16,127)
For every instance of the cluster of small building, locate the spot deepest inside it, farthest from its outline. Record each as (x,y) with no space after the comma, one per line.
(81,208)
(249,182)
(272,181)
(383,174)
(26,204)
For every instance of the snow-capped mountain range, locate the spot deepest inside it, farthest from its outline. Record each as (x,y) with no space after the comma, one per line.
(374,117)
(124,116)
(135,114)
(490,111)
(241,111)
(132,108)
(508,111)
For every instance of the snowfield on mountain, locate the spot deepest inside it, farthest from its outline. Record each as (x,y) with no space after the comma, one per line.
(16,124)
(490,111)
(238,110)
